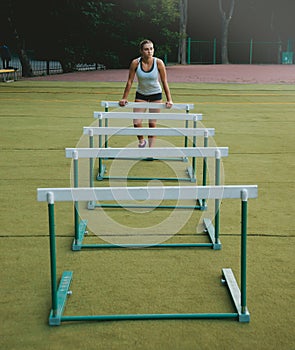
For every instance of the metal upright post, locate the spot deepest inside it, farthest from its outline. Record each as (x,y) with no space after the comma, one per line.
(100,146)
(186,125)
(244,195)
(217,201)
(76,203)
(186,138)
(50,200)
(205,159)
(205,165)
(106,123)
(91,160)
(194,145)
(91,204)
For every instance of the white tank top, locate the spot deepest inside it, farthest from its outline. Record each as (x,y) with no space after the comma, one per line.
(148,82)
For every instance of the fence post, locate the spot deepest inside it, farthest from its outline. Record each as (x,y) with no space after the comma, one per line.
(165,59)
(251,51)
(214,51)
(188,50)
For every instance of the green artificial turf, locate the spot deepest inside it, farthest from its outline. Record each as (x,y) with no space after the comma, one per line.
(40,119)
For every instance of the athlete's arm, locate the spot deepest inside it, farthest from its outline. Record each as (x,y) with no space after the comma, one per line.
(131,75)
(163,76)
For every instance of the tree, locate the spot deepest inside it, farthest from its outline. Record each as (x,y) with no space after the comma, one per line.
(12,22)
(80,31)
(225,28)
(67,31)
(154,19)
(88,31)
(182,31)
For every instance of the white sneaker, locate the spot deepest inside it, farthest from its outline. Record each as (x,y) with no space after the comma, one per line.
(142,144)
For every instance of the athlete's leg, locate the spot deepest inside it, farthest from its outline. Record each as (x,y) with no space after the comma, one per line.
(153,123)
(137,123)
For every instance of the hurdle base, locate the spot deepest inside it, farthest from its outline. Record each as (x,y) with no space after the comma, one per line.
(216,245)
(56,319)
(211,244)
(199,206)
(62,294)
(178,179)
(145,246)
(78,243)
(228,279)
(91,205)
(180,159)
(100,176)
(191,174)
(189,171)
(202,205)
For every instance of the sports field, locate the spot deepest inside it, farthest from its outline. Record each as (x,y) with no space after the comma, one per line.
(39,119)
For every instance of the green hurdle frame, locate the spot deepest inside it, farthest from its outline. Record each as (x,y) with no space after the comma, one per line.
(203,152)
(61,291)
(80,226)
(132,153)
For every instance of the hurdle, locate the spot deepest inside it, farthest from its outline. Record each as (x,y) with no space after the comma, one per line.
(80,225)
(149,153)
(110,131)
(204,152)
(59,293)
(212,230)
(186,117)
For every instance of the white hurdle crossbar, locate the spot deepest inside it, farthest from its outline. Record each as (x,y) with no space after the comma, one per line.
(59,293)
(178,106)
(148,154)
(143,115)
(146,193)
(129,131)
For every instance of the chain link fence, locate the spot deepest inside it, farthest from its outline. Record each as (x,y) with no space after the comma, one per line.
(240,52)
(40,67)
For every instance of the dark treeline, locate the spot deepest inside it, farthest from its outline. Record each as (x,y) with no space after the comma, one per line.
(83,31)
(109,31)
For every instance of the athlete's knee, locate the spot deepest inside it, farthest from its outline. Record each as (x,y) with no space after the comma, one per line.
(152,123)
(137,123)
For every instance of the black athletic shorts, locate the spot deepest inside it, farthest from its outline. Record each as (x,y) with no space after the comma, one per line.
(148,98)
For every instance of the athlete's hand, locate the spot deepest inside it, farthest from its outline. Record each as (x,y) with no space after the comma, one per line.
(123,102)
(169,104)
